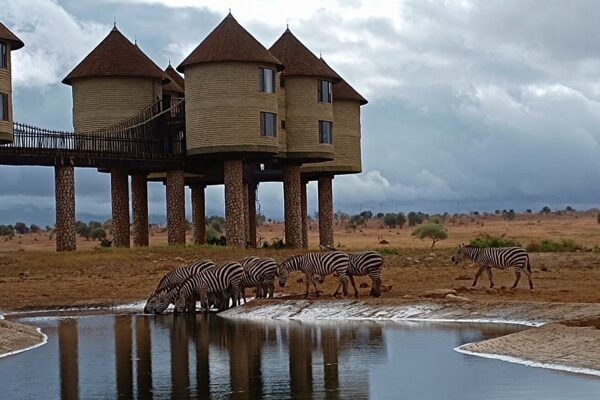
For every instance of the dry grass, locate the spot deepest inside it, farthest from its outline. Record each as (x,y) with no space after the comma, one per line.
(32,275)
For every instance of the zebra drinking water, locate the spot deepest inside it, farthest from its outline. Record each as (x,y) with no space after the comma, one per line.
(225,277)
(321,264)
(501,258)
(259,273)
(168,281)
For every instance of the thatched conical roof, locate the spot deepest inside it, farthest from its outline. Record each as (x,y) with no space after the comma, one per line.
(115,56)
(6,34)
(176,83)
(342,89)
(229,41)
(298,59)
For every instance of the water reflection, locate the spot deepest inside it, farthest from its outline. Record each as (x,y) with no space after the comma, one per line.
(208,357)
(69,371)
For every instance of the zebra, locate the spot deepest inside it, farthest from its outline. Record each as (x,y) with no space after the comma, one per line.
(168,294)
(226,277)
(259,273)
(317,264)
(501,258)
(170,278)
(365,263)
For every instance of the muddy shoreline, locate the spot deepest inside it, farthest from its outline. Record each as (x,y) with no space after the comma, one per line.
(16,338)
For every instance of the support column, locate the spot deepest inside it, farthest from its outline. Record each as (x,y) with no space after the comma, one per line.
(246,215)
(119,188)
(199,214)
(139,204)
(252,214)
(64,183)
(303,205)
(326,211)
(235,230)
(176,224)
(293,213)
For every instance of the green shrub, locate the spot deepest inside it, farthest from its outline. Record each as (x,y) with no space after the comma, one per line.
(388,251)
(486,240)
(551,246)
(98,234)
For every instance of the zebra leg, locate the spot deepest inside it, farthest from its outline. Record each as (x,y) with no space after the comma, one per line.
(375,287)
(477,275)
(314,282)
(517,278)
(489,272)
(528,273)
(353,285)
(243,291)
(308,279)
(345,286)
(271,289)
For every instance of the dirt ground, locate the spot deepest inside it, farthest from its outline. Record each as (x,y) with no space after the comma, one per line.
(33,276)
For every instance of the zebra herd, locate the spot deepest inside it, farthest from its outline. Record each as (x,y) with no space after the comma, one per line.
(224,285)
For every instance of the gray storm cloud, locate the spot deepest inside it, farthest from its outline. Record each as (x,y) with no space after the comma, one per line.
(491,103)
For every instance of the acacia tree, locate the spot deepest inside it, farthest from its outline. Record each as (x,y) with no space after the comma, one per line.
(433,231)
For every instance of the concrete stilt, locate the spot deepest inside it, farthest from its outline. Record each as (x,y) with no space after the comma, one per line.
(199,214)
(304,205)
(326,211)
(292,209)
(252,214)
(64,181)
(139,205)
(119,188)
(176,224)
(235,230)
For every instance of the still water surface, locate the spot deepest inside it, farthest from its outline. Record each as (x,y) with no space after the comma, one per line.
(208,357)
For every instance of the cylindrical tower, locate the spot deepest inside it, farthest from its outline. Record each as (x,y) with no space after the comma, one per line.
(308,99)
(172,90)
(114,82)
(8,42)
(346,118)
(231,95)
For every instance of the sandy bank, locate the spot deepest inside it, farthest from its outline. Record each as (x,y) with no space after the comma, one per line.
(523,313)
(15,338)
(566,336)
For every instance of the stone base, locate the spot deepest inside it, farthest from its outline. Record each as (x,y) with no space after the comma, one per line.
(199,214)
(235,229)
(176,224)
(119,188)
(139,200)
(64,180)
(252,215)
(326,212)
(304,210)
(292,211)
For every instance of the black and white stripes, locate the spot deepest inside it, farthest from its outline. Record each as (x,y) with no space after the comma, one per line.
(501,258)
(317,265)
(168,282)
(259,273)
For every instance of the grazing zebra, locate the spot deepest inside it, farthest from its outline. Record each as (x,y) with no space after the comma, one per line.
(317,264)
(501,258)
(248,260)
(260,273)
(226,277)
(168,293)
(363,263)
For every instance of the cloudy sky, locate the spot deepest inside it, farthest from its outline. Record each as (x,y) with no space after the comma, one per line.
(475,105)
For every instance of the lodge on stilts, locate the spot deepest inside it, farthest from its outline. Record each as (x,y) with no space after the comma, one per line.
(240,115)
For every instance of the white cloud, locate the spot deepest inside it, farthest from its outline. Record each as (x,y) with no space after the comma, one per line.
(55,41)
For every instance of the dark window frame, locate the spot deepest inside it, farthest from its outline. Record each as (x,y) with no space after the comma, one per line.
(4,107)
(320,95)
(262,87)
(263,124)
(3,55)
(322,133)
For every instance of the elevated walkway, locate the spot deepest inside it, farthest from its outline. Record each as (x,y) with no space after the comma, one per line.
(153,140)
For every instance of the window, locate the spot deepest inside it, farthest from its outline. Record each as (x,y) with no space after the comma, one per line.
(268,124)
(3,55)
(324,91)
(326,132)
(3,107)
(283,124)
(267,80)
